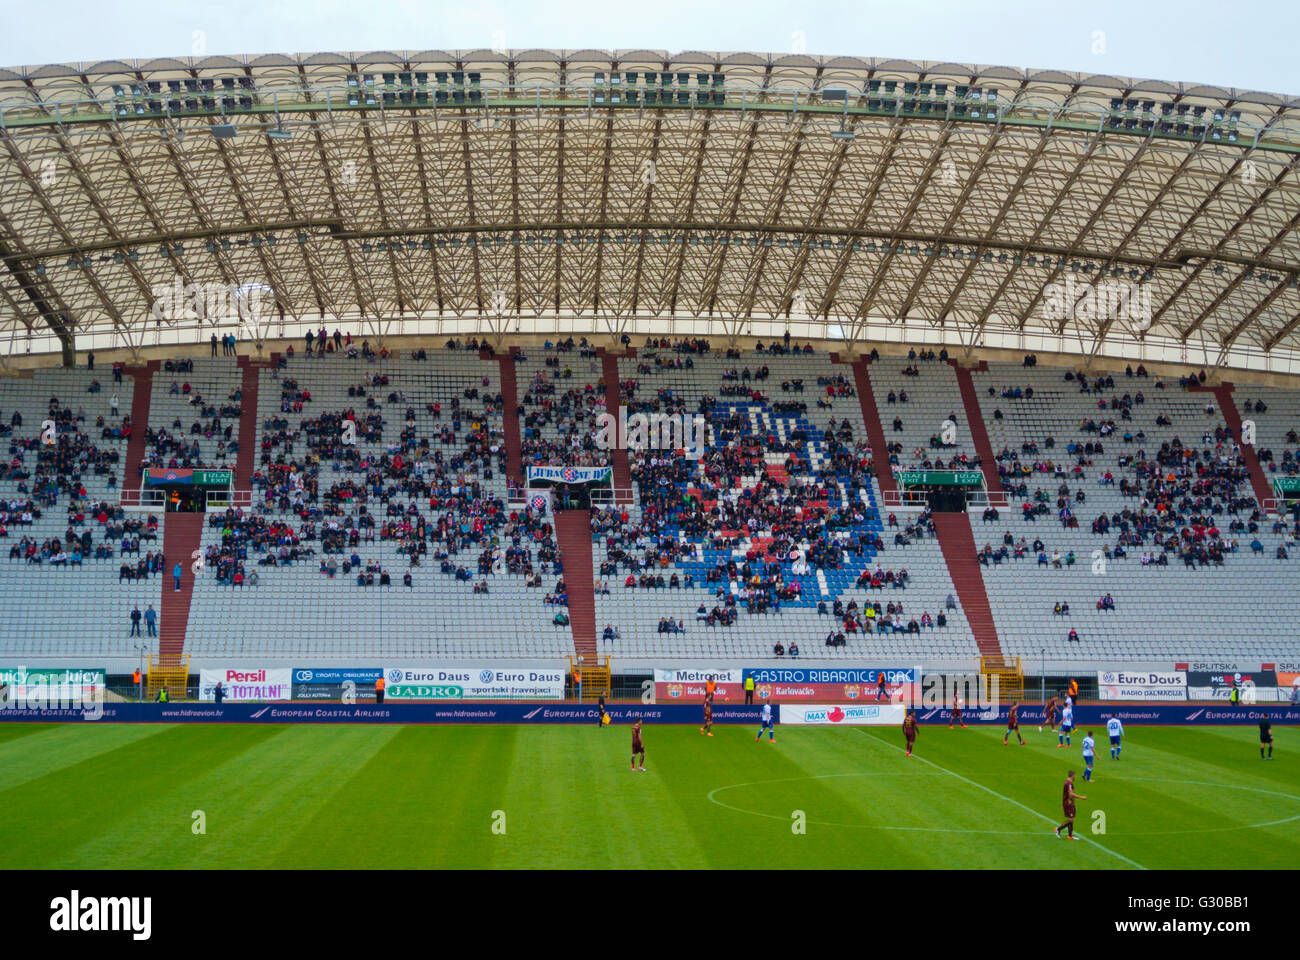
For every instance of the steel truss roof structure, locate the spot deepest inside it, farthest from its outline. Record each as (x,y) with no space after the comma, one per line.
(540,192)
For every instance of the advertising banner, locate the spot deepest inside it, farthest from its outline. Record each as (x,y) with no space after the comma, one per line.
(570,474)
(73,683)
(1255,686)
(1086,715)
(313,683)
(171,476)
(1288,682)
(852,714)
(1122,684)
(689,685)
(835,685)
(473,683)
(247,683)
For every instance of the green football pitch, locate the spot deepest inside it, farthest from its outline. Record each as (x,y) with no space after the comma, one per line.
(126,796)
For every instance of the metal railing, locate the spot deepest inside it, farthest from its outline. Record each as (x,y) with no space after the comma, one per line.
(156,498)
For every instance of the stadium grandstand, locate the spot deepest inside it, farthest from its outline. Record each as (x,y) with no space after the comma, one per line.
(990,364)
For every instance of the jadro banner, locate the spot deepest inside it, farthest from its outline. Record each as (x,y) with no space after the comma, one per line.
(473,683)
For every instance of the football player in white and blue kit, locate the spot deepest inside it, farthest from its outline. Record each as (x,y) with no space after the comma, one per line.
(765,717)
(1067,725)
(1089,754)
(1115,730)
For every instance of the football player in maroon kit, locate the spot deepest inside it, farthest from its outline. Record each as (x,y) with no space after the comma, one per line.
(909,730)
(1013,725)
(637,746)
(1068,796)
(1049,715)
(956,711)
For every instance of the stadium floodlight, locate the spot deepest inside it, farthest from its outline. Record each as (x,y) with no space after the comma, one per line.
(835,93)
(842,135)
(224,131)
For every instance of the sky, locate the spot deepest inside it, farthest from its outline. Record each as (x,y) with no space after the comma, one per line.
(1247,44)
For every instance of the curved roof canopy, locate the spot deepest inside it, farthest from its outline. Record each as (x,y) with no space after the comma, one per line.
(536,191)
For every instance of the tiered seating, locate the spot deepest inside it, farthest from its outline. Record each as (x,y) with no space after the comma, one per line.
(562,397)
(60,608)
(1277,427)
(295,610)
(1236,608)
(802,447)
(203,420)
(916,424)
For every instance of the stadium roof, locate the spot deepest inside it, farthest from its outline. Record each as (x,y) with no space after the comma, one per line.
(639,191)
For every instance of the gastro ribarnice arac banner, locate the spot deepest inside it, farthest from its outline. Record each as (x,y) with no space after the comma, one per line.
(1120,684)
(247,683)
(473,683)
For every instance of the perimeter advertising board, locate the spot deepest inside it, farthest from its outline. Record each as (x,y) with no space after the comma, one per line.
(835,685)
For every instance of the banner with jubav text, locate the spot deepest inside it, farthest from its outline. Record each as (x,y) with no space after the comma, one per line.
(570,474)
(246,683)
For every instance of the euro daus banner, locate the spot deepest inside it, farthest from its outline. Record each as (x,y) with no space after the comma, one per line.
(1124,684)
(473,683)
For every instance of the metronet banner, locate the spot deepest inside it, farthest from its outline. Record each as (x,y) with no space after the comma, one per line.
(473,683)
(256,683)
(689,685)
(1121,684)
(570,474)
(835,685)
(848,715)
(75,683)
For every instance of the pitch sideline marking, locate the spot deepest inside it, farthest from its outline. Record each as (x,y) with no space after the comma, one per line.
(992,792)
(854,826)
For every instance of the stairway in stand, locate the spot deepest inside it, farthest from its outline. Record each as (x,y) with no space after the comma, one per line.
(573,535)
(510,418)
(975,424)
(182,533)
(875,432)
(1232,417)
(609,374)
(246,462)
(135,446)
(957,541)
